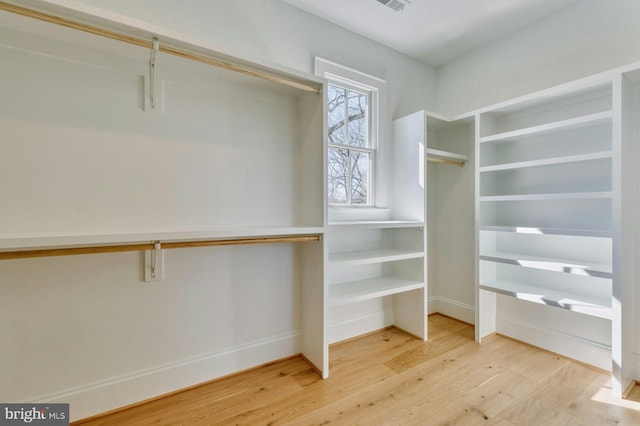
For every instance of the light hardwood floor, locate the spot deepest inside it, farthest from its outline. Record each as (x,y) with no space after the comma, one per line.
(391,378)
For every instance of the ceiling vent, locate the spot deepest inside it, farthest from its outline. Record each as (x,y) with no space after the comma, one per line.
(396,5)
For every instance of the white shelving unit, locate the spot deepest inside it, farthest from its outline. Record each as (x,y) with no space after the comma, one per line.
(378,263)
(376,274)
(545,188)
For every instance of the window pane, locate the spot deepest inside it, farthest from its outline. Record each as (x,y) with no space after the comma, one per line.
(357,127)
(338,174)
(359,177)
(336,117)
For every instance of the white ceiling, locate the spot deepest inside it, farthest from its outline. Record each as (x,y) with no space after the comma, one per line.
(432,31)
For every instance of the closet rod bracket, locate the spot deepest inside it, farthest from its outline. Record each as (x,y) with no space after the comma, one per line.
(153,100)
(154,263)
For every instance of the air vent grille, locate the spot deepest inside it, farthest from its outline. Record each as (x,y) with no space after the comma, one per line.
(396,5)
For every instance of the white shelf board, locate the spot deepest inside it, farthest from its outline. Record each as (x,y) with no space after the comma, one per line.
(373,256)
(548,196)
(543,129)
(548,161)
(549,231)
(573,302)
(52,240)
(550,264)
(381,224)
(446,155)
(357,291)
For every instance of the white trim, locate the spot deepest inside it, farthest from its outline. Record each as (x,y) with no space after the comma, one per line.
(357,326)
(115,392)
(378,125)
(452,308)
(636,366)
(569,345)
(324,66)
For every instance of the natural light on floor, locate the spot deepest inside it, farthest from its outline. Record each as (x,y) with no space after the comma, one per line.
(604,396)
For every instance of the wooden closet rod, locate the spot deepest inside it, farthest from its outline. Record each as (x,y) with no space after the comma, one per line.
(24,254)
(149,44)
(446,161)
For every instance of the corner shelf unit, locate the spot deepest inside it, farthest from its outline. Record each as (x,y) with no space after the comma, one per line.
(544,207)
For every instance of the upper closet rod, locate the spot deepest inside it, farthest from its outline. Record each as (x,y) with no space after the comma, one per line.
(24,254)
(446,161)
(149,44)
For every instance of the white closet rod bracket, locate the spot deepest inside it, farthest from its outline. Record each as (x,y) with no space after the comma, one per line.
(154,263)
(152,71)
(154,98)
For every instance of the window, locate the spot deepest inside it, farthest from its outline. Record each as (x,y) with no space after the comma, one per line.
(350,149)
(353,106)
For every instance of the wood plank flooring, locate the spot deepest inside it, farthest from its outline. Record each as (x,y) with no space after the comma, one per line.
(391,378)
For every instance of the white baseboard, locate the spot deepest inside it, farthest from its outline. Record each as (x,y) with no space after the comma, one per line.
(636,367)
(583,350)
(452,308)
(99,397)
(353,327)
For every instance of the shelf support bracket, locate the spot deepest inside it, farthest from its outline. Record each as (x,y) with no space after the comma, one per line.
(154,263)
(154,98)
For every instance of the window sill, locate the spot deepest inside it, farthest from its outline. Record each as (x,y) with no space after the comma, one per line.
(358,213)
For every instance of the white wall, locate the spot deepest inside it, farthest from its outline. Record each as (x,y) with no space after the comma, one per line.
(586,37)
(276,32)
(451,224)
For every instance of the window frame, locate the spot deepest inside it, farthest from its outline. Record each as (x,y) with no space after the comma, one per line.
(369,148)
(375,89)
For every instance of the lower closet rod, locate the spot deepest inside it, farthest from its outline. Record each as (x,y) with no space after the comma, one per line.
(24,254)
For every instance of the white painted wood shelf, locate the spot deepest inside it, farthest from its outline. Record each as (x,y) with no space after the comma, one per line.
(358,291)
(597,307)
(548,128)
(548,196)
(377,224)
(550,264)
(549,231)
(595,156)
(373,256)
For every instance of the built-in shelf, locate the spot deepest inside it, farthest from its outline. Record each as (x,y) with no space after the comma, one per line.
(377,224)
(543,129)
(549,231)
(548,196)
(548,161)
(550,264)
(373,256)
(357,291)
(561,299)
